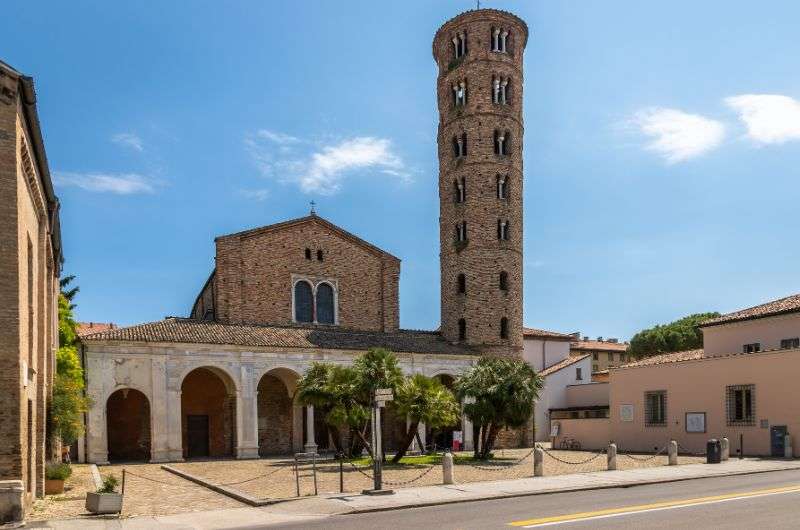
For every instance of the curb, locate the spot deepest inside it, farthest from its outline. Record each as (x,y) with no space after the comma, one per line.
(560,490)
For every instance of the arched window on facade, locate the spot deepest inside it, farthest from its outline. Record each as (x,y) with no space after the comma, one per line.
(460,93)
(459,45)
(499,40)
(326,312)
(502,230)
(462,283)
(500,145)
(504,328)
(462,329)
(461,231)
(303,302)
(503,281)
(501,90)
(308,253)
(460,145)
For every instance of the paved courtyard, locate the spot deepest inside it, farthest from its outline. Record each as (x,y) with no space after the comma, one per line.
(150,490)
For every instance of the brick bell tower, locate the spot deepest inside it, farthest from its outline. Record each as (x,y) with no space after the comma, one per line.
(479,89)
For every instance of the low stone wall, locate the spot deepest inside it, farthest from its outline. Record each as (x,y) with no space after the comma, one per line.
(11,501)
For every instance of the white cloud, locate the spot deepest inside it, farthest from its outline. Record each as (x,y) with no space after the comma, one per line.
(256,195)
(677,135)
(128,140)
(322,169)
(121,183)
(769,118)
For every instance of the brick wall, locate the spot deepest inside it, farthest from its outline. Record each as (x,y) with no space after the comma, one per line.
(483,256)
(255,270)
(128,420)
(203,393)
(275,429)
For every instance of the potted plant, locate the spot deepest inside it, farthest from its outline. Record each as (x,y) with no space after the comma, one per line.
(106,499)
(55,475)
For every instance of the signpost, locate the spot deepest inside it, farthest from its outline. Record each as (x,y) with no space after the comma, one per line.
(381,396)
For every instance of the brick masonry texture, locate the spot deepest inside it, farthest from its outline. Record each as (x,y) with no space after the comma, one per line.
(28,287)
(255,270)
(483,256)
(275,430)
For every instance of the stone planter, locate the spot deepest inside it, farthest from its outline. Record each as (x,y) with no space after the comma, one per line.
(104,502)
(53,486)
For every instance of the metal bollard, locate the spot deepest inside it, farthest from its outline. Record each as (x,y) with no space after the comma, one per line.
(787,446)
(612,457)
(672,449)
(447,468)
(538,462)
(726,448)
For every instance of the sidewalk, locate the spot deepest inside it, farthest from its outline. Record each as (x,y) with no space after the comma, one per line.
(311,508)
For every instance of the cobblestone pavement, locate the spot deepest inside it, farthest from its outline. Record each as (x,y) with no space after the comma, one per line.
(274,478)
(149,490)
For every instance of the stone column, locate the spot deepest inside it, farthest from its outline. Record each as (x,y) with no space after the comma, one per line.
(297,427)
(99,376)
(466,428)
(246,415)
(311,445)
(159,412)
(672,451)
(612,457)
(174,426)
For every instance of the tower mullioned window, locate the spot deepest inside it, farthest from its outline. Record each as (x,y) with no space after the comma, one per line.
(499,40)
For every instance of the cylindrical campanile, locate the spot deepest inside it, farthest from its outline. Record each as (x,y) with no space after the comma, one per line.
(479,88)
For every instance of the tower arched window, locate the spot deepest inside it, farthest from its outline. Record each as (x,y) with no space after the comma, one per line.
(502,187)
(502,230)
(501,90)
(462,283)
(499,40)
(462,329)
(460,93)
(504,328)
(460,188)
(459,45)
(326,313)
(501,141)
(503,281)
(461,231)
(303,302)
(460,145)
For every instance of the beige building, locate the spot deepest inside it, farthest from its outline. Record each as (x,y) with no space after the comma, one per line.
(605,353)
(30,262)
(742,385)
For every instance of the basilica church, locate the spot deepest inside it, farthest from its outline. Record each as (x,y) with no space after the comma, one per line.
(221,381)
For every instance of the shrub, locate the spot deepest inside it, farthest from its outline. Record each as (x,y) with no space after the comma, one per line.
(57,471)
(109,484)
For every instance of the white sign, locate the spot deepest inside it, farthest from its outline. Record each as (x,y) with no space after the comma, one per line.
(626,412)
(695,422)
(383,394)
(554,428)
(458,436)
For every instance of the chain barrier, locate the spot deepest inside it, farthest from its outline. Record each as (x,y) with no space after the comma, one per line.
(646,458)
(409,481)
(554,457)
(497,466)
(689,453)
(360,470)
(279,468)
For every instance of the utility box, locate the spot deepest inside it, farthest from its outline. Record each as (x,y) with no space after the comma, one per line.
(713,452)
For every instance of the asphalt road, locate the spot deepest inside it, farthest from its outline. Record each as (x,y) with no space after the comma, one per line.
(765,501)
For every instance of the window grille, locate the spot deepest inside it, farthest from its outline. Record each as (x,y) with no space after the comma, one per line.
(790,344)
(751,348)
(740,404)
(655,411)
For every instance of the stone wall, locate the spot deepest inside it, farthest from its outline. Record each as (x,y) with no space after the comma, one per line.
(255,271)
(275,429)
(483,256)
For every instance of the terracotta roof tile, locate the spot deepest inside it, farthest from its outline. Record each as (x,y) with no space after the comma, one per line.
(545,334)
(790,304)
(569,361)
(88,328)
(183,330)
(674,357)
(599,345)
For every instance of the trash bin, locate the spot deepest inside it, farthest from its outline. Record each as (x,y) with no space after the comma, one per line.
(713,452)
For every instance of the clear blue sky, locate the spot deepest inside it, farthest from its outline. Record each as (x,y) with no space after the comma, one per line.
(661,147)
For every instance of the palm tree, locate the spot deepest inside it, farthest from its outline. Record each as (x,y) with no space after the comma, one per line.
(497,393)
(69,294)
(423,400)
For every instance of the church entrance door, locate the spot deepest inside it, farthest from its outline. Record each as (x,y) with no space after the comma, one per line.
(197,435)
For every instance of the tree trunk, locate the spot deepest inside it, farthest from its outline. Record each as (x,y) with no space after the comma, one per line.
(405,443)
(493,430)
(476,440)
(362,436)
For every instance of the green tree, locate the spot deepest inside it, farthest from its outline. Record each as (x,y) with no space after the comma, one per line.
(497,393)
(70,293)
(682,334)
(423,400)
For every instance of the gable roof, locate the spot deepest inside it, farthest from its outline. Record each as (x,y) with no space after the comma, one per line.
(185,330)
(599,345)
(535,333)
(789,304)
(89,328)
(569,361)
(312,218)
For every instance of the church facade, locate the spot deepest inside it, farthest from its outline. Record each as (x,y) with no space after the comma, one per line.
(221,382)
